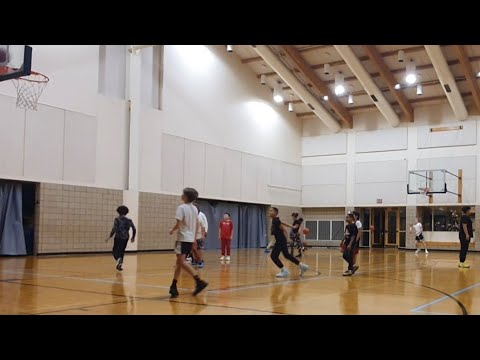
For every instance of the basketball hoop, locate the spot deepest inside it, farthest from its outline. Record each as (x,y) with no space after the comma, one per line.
(29,89)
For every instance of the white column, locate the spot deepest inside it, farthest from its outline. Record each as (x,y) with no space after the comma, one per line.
(133,91)
(350,180)
(412,157)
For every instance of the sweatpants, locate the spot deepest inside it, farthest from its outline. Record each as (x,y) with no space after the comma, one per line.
(464,243)
(226,246)
(281,247)
(119,246)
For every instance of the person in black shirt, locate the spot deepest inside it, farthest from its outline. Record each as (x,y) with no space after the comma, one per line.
(349,244)
(121,228)
(465,235)
(280,234)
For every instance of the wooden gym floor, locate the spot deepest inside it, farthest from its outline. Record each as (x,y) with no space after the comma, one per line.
(388,282)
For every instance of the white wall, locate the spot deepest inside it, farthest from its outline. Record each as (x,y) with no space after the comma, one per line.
(61,146)
(378,157)
(220,132)
(218,128)
(209,96)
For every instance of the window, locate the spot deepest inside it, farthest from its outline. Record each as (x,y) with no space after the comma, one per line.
(312,226)
(442,218)
(325,229)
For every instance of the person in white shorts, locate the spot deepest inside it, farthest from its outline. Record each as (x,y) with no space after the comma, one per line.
(419,236)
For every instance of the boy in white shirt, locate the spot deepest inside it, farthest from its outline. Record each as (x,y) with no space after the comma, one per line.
(359,226)
(419,236)
(186,225)
(200,238)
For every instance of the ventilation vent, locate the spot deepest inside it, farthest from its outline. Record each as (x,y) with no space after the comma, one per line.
(374,98)
(310,106)
(447,88)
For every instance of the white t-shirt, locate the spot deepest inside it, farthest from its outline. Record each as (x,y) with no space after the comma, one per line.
(358,224)
(418,228)
(202,219)
(187,214)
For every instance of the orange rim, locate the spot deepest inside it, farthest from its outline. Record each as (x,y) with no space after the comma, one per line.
(25,78)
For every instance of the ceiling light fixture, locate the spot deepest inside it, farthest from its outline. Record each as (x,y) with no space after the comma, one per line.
(326,69)
(325,98)
(419,89)
(290,107)
(229,48)
(263,79)
(350,99)
(401,56)
(411,77)
(277,95)
(339,86)
(397,86)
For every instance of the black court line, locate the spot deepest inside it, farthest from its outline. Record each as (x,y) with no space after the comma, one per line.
(459,303)
(132,298)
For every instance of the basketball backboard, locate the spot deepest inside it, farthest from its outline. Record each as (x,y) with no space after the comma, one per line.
(427,182)
(15,61)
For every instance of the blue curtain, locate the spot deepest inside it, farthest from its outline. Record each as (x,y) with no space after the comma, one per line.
(12,239)
(249,223)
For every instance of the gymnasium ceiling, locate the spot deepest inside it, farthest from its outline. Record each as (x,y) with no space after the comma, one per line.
(463,62)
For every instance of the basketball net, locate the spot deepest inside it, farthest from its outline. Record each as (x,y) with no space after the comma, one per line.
(425,191)
(29,89)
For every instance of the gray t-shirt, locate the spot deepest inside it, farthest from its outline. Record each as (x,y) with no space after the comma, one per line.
(187,215)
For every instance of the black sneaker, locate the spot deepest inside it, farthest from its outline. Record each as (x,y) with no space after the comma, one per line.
(355,268)
(199,287)
(173,292)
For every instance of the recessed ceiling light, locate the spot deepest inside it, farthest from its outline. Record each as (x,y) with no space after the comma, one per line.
(397,86)
(325,98)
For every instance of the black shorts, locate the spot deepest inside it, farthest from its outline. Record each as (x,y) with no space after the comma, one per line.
(183,248)
(200,244)
(419,237)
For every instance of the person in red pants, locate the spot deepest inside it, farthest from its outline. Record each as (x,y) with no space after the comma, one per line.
(225,234)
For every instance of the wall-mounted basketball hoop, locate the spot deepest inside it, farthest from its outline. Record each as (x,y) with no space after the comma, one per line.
(430,182)
(29,89)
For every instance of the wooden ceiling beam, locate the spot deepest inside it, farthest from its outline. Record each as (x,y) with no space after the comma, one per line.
(387,76)
(318,84)
(469,74)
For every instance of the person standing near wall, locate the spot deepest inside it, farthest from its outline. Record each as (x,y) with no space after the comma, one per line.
(200,238)
(359,226)
(465,235)
(225,233)
(419,236)
(349,243)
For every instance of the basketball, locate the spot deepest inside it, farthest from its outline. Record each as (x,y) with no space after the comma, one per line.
(306,231)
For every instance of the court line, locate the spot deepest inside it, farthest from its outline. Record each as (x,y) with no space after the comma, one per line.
(94,280)
(433,313)
(419,308)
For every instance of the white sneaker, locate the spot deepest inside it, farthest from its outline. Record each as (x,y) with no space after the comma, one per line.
(303,268)
(227,258)
(347,273)
(283,273)
(222,258)
(426,251)
(418,250)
